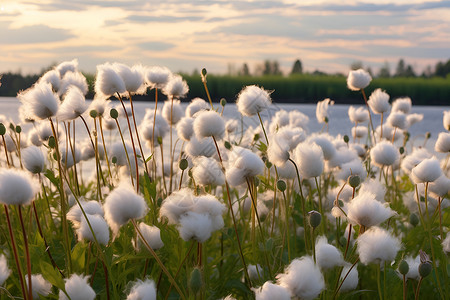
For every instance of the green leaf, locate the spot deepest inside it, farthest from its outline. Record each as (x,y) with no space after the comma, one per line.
(79,257)
(52,275)
(51,176)
(148,158)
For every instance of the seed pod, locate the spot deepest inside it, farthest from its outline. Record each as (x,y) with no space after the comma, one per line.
(425,269)
(93,113)
(195,281)
(51,142)
(281,185)
(227,145)
(403,267)
(413,219)
(18,129)
(114,160)
(114,113)
(183,164)
(346,139)
(354,181)
(314,218)
(2,129)
(223,101)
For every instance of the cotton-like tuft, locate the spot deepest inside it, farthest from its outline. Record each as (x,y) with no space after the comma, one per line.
(195,226)
(379,101)
(209,123)
(108,82)
(359,132)
(99,227)
(78,288)
(440,187)
(133,77)
(309,158)
(69,158)
(73,79)
(152,236)
(33,159)
(365,210)
(73,106)
(53,77)
(428,170)
(185,128)
(327,256)
(377,245)
(446,244)
(358,79)
(143,290)
(270,291)
(302,278)
(196,105)
(123,204)
(100,105)
(446,120)
(67,66)
(413,159)
(172,111)
(253,100)
(207,171)
(146,127)
(351,282)
(157,77)
(176,87)
(39,286)
(402,105)
(412,119)
(75,214)
(244,164)
(17,187)
(4,270)
(354,167)
(384,154)
(413,264)
(443,142)
(325,142)
(322,110)
(397,120)
(40,101)
(200,147)
(278,150)
(375,187)
(358,114)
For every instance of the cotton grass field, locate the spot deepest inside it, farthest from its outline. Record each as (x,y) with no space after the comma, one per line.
(186,204)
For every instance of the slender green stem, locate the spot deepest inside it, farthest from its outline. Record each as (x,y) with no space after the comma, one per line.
(264,130)
(404,287)
(137,134)
(416,297)
(370,115)
(380,295)
(27,253)
(125,149)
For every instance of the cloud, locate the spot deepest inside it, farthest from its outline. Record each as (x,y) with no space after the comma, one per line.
(162,19)
(32,34)
(156,46)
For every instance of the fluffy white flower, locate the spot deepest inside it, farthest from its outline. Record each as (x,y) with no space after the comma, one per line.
(298,119)
(100,105)
(207,171)
(243,165)
(99,227)
(358,79)
(402,105)
(291,136)
(143,290)
(325,142)
(53,77)
(359,132)
(157,77)
(67,66)
(90,207)
(397,120)
(73,106)
(375,187)
(196,105)
(309,158)
(413,264)
(176,87)
(119,151)
(302,278)
(351,282)
(172,111)
(40,101)
(327,256)
(365,210)
(78,288)
(413,159)
(146,127)
(443,142)
(133,77)
(440,186)
(108,82)
(354,167)
(412,119)
(185,128)
(200,147)
(17,187)
(358,115)
(69,158)
(446,120)
(123,204)
(428,170)
(384,154)
(377,245)
(278,150)
(379,101)
(33,159)
(73,79)
(209,123)
(270,291)
(39,286)
(252,100)
(4,270)
(195,226)
(322,110)
(152,235)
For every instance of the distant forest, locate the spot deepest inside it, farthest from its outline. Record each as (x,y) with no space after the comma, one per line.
(431,87)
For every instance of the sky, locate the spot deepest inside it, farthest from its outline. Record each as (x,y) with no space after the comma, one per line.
(221,35)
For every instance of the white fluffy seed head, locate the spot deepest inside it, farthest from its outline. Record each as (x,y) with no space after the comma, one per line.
(40,101)
(73,106)
(302,278)
(195,226)
(402,105)
(443,142)
(40,286)
(4,270)
(152,236)
(412,119)
(172,111)
(384,154)
(440,187)
(143,290)
(379,101)
(53,77)
(377,245)
(176,87)
(33,159)
(252,100)
(243,165)
(200,147)
(322,110)
(413,159)
(209,123)
(446,120)
(99,226)
(309,158)
(75,79)
(90,207)
(185,128)
(270,291)
(108,82)
(351,282)
(428,170)
(122,205)
(365,210)
(133,77)
(196,105)
(278,150)
(358,114)
(207,171)
(78,288)
(375,187)
(327,256)
(397,120)
(358,79)
(67,66)
(157,77)
(17,187)
(325,142)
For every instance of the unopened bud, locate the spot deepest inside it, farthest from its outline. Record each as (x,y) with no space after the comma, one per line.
(93,113)
(413,219)
(401,150)
(2,129)
(428,135)
(281,185)
(268,164)
(114,113)
(183,164)
(18,129)
(114,160)
(354,181)
(51,142)
(346,139)
(403,267)
(195,281)
(314,218)
(204,72)
(223,101)
(227,145)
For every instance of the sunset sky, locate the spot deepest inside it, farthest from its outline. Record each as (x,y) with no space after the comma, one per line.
(192,34)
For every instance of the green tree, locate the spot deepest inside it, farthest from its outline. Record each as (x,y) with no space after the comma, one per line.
(400,69)
(244,71)
(297,68)
(385,71)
